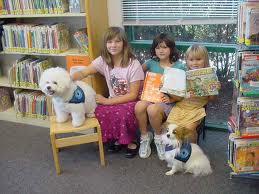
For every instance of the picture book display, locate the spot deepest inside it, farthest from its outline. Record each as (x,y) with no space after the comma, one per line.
(151,87)
(249,74)
(198,82)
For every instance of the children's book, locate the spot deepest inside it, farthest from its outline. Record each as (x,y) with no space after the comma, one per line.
(246,156)
(77,63)
(248,118)
(151,87)
(198,82)
(249,76)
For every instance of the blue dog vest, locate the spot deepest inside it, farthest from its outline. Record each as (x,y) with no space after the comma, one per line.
(78,96)
(185,151)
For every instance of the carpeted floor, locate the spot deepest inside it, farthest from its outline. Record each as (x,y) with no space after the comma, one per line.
(26,166)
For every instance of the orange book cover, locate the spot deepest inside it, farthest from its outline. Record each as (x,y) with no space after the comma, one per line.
(76,62)
(151,88)
(247,158)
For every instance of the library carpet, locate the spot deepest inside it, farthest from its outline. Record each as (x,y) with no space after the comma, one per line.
(26,166)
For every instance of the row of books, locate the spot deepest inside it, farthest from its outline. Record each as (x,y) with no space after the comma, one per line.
(35,38)
(20,7)
(248,28)
(243,154)
(198,82)
(32,104)
(26,72)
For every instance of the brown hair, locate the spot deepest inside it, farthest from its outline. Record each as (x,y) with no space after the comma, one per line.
(198,50)
(127,54)
(174,53)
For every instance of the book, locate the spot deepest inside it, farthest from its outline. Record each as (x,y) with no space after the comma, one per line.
(246,155)
(248,116)
(151,88)
(249,74)
(76,6)
(198,82)
(81,40)
(76,63)
(248,31)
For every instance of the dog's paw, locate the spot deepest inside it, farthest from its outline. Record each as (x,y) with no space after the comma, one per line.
(169,173)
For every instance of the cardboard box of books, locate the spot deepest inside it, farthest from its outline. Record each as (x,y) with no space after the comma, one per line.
(198,82)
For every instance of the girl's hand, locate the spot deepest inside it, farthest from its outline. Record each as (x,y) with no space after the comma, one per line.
(101,99)
(77,76)
(166,99)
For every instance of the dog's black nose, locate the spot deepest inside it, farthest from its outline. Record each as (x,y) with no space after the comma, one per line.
(168,135)
(48,87)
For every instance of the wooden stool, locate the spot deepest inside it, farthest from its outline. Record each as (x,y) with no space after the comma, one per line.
(64,128)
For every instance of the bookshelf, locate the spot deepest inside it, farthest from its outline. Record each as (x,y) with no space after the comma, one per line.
(243,124)
(92,20)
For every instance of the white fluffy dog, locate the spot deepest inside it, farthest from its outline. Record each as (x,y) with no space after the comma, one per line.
(181,156)
(68,97)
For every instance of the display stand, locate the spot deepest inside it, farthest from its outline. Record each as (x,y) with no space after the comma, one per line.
(243,124)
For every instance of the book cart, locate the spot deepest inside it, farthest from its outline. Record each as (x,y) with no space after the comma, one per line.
(25,30)
(243,124)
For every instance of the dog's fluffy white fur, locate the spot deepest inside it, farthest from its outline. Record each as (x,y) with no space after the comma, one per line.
(198,164)
(56,82)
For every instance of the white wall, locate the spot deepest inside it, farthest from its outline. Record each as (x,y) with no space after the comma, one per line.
(115,12)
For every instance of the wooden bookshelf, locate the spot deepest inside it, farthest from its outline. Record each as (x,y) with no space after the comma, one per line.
(44,15)
(72,51)
(10,115)
(95,23)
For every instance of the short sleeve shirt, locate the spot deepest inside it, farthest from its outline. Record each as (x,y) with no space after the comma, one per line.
(153,66)
(118,79)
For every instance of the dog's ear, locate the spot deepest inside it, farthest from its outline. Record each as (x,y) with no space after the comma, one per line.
(187,134)
(179,133)
(164,126)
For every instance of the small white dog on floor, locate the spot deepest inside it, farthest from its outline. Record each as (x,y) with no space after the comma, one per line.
(182,156)
(68,97)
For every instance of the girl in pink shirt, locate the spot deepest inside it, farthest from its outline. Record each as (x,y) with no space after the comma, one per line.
(123,74)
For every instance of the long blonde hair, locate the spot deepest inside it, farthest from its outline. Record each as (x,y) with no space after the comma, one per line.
(198,50)
(127,54)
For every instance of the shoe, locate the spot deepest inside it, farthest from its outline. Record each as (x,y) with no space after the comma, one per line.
(131,153)
(160,148)
(145,149)
(113,147)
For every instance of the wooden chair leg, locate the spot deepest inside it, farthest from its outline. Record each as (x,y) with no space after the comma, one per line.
(55,153)
(100,142)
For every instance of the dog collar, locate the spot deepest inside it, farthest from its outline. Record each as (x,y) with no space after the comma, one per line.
(168,147)
(78,96)
(185,152)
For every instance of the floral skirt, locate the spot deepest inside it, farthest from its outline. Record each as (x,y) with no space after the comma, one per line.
(118,122)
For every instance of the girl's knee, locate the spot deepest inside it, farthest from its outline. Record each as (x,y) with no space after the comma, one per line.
(154,110)
(141,106)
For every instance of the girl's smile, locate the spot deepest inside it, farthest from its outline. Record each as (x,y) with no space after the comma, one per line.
(115,46)
(195,62)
